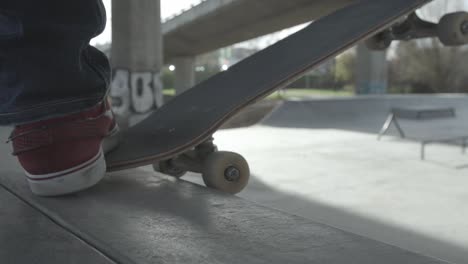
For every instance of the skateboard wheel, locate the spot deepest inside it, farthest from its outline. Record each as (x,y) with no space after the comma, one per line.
(166,167)
(226,171)
(453,29)
(378,43)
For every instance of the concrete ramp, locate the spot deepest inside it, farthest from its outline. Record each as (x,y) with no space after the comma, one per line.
(366,113)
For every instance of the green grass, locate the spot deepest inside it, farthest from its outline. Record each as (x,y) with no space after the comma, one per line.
(290,93)
(169,92)
(304,93)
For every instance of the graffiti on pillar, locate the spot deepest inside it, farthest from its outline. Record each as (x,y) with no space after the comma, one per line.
(142,91)
(120,92)
(135,92)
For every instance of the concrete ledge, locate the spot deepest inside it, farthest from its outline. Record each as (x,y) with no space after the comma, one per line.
(27,236)
(136,217)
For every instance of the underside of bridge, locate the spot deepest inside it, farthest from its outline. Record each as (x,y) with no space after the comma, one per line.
(141,44)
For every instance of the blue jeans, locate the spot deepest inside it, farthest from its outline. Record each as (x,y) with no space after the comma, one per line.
(47,67)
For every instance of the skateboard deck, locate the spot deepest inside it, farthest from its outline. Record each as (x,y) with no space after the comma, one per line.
(194,116)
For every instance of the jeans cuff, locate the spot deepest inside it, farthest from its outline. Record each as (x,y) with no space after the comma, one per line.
(49,110)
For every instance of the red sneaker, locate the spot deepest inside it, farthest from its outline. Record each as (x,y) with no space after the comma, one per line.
(66,154)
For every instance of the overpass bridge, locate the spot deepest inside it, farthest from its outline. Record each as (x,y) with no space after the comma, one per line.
(214,24)
(141,44)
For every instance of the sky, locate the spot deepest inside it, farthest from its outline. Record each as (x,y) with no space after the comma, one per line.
(168,9)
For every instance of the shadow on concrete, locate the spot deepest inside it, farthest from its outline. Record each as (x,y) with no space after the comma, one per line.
(428,159)
(146,195)
(462,167)
(352,222)
(446,165)
(134,203)
(324,114)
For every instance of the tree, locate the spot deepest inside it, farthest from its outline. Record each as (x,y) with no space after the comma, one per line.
(344,69)
(430,67)
(426,66)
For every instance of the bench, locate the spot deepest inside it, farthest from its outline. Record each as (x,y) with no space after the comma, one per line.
(423,114)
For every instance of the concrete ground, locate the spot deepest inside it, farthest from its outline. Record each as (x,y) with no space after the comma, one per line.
(134,216)
(321,160)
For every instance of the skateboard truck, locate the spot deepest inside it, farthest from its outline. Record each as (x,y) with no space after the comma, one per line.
(225,171)
(452,30)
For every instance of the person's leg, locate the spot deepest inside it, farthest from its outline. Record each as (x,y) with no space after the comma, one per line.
(47,67)
(52,87)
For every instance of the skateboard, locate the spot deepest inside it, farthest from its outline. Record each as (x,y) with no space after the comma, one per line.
(452,30)
(178,137)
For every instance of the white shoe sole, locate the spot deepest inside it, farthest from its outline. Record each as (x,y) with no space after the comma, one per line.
(71,180)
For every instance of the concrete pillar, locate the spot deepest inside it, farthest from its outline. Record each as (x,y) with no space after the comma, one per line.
(371,71)
(136,56)
(184,73)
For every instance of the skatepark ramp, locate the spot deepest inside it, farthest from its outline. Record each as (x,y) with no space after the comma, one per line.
(135,216)
(362,114)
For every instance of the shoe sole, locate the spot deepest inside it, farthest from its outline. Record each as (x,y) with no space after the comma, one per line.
(71,180)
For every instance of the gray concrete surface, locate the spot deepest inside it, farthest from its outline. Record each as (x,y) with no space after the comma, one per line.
(321,160)
(138,217)
(149,219)
(28,236)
